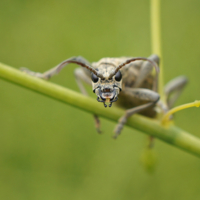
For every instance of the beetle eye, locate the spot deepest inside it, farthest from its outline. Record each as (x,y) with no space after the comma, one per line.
(118,76)
(94,78)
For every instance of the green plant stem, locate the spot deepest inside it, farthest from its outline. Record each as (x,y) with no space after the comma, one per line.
(156,41)
(172,135)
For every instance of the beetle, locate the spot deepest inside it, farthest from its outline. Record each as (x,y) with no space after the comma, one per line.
(127,81)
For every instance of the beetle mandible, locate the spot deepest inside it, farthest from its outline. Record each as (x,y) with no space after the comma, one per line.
(126,81)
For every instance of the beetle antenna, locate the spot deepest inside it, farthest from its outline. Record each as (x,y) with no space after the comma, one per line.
(76,61)
(132,60)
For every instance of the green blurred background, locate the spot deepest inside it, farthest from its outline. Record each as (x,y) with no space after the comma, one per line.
(49,150)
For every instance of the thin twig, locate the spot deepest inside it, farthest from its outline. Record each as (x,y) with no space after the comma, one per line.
(156,41)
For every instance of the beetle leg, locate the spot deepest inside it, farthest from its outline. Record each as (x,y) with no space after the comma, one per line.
(32,73)
(174,88)
(80,75)
(48,74)
(142,94)
(145,70)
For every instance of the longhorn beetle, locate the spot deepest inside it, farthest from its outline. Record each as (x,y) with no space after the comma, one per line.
(126,81)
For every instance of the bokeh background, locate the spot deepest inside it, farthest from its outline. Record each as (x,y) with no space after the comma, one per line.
(49,150)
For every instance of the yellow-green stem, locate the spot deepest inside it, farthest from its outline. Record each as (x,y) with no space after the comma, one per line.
(156,41)
(165,119)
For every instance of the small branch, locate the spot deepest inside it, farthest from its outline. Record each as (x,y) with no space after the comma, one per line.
(172,135)
(156,41)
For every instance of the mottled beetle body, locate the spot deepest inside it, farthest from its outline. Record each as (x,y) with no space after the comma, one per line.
(130,73)
(127,81)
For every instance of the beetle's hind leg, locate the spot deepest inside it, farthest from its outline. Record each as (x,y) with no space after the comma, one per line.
(174,88)
(141,94)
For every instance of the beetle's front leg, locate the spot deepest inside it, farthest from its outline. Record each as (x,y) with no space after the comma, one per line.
(83,74)
(55,70)
(141,94)
(80,75)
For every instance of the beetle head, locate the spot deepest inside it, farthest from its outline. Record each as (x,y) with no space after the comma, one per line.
(106,88)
